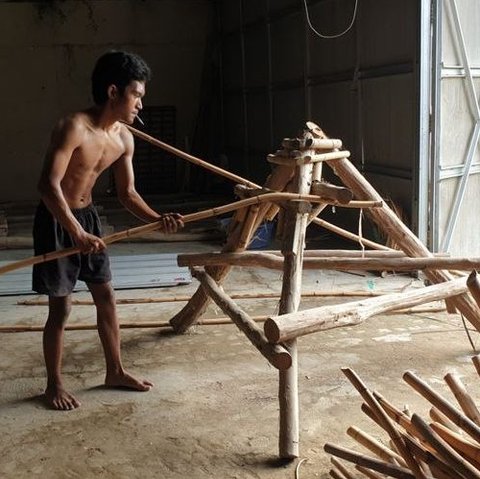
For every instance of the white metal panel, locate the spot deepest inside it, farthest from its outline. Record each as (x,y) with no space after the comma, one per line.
(455,186)
(128,272)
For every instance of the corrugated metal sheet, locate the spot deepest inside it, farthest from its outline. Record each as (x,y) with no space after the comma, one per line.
(129,272)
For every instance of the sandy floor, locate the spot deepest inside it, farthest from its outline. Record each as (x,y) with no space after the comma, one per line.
(214,411)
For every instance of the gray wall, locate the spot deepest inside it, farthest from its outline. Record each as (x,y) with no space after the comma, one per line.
(361,87)
(47,52)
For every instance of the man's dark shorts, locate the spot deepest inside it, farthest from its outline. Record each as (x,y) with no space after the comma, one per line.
(58,277)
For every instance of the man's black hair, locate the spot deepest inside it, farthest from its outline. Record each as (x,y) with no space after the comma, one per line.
(117,68)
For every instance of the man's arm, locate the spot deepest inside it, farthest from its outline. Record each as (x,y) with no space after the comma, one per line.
(129,197)
(66,137)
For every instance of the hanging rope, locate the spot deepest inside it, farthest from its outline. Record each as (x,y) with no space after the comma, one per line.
(328,37)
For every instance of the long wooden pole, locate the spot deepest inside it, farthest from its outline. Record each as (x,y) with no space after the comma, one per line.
(385,421)
(443,405)
(148,228)
(272,261)
(192,159)
(178,299)
(391,470)
(288,326)
(28,328)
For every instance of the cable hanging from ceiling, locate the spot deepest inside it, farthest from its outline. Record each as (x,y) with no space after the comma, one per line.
(321,35)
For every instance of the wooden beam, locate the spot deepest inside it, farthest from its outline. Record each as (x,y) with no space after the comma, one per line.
(268,260)
(288,326)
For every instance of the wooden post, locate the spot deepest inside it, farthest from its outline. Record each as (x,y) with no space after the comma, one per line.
(293,246)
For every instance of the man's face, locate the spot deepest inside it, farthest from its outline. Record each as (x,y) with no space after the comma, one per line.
(130,103)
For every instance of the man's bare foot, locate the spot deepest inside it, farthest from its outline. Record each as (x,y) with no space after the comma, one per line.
(57,398)
(125,380)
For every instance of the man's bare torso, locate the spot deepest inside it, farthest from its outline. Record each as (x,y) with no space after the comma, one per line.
(97,149)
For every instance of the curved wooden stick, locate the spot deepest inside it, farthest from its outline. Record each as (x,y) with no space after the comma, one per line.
(148,228)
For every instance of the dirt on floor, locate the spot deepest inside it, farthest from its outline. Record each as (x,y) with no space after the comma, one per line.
(213,412)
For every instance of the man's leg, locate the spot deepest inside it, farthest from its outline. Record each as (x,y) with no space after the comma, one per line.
(109,332)
(55,394)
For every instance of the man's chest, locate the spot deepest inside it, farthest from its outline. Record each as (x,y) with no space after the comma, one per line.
(99,152)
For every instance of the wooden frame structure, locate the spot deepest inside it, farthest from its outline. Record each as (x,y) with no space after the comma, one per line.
(296,189)
(298,169)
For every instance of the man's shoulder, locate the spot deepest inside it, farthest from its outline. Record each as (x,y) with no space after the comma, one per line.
(77,121)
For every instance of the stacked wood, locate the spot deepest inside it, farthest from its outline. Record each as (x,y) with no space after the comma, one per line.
(446,446)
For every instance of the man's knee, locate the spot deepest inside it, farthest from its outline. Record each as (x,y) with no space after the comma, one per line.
(103,294)
(59,309)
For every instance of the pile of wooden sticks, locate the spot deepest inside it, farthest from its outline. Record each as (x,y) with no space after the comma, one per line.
(445,447)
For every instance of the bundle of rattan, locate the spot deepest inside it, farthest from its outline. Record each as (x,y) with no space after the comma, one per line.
(447,447)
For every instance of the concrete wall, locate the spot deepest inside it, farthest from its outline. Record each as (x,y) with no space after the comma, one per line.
(47,52)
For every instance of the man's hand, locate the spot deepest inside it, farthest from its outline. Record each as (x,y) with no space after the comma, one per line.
(171,222)
(89,243)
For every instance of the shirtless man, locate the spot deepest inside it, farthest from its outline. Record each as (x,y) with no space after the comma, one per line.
(82,146)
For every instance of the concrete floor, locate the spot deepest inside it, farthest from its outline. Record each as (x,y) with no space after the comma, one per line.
(214,411)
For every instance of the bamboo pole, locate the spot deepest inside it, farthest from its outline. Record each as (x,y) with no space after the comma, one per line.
(385,421)
(439,417)
(248,227)
(272,261)
(368,473)
(277,356)
(335,474)
(192,159)
(312,144)
(284,327)
(307,159)
(346,473)
(443,405)
(140,230)
(369,462)
(464,399)
(462,445)
(27,328)
(476,363)
(423,451)
(379,449)
(388,221)
(448,454)
(241,296)
(347,234)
